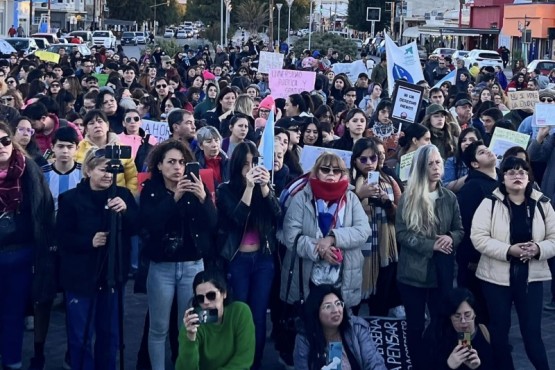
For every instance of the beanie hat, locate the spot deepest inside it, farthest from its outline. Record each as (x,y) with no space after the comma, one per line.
(547,93)
(267,103)
(208,75)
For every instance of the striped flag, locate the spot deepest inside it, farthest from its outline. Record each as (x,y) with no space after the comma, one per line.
(266,146)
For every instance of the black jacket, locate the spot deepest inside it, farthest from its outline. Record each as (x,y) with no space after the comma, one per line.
(224,164)
(81,214)
(234,216)
(476,187)
(161,217)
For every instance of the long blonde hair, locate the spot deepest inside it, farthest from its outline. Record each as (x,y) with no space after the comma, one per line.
(419,211)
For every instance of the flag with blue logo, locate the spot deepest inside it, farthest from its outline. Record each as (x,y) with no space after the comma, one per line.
(266,146)
(403,63)
(451,77)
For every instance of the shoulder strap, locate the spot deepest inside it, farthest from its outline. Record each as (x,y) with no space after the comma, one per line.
(485,332)
(493,200)
(292,268)
(542,212)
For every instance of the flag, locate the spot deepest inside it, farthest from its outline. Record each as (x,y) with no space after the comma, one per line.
(451,77)
(266,146)
(403,63)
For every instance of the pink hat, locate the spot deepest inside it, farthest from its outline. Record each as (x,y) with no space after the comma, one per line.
(308,62)
(208,75)
(267,103)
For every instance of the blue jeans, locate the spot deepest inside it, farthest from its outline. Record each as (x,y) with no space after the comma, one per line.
(16,275)
(165,279)
(89,317)
(250,277)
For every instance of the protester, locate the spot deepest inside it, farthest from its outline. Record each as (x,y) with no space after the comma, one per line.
(209,154)
(414,137)
(382,127)
(355,124)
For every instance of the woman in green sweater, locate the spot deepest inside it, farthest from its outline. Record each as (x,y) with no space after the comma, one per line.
(227,344)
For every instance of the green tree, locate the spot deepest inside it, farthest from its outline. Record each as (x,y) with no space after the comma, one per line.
(356,15)
(252,15)
(323,41)
(167,15)
(207,11)
(130,10)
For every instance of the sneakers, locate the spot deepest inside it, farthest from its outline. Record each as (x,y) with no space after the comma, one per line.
(549,306)
(37,363)
(30,323)
(398,312)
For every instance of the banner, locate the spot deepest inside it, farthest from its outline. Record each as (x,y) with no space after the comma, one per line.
(160,130)
(269,61)
(390,337)
(285,82)
(504,139)
(403,63)
(102,78)
(352,70)
(310,154)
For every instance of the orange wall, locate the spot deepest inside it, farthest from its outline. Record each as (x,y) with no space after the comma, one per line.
(541,17)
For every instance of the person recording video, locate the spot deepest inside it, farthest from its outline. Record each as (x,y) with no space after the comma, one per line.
(84,218)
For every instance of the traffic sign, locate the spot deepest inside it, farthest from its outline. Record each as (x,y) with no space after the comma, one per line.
(373,14)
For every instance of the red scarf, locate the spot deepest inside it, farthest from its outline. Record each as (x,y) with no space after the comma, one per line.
(10,186)
(214,165)
(328,191)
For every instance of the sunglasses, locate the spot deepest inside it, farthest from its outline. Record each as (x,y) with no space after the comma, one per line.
(546,100)
(161,86)
(136,119)
(5,141)
(55,85)
(369,159)
(211,296)
(7,99)
(327,170)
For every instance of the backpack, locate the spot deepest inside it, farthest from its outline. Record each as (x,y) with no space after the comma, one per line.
(142,153)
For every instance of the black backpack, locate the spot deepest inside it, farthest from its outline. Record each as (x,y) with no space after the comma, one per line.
(142,154)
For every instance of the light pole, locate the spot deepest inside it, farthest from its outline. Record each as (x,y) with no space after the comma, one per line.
(227,18)
(289,4)
(279,5)
(310,26)
(222,22)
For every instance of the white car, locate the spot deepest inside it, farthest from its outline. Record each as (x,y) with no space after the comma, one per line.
(459,54)
(484,58)
(303,32)
(104,38)
(443,52)
(190,31)
(182,34)
(168,33)
(141,37)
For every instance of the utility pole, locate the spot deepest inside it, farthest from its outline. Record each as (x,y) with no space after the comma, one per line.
(289,4)
(279,5)
(30,18)
(49,25)
(310,26)
(271,24)
(222,23)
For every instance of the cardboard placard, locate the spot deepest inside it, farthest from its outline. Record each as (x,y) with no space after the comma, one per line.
(269,61)
(160,130)
(48,56)
(390,337)
(523,99)
(407,99)
(545,114)
(285,82)
(102,78)
(310,154)
(504,139)
(405,164)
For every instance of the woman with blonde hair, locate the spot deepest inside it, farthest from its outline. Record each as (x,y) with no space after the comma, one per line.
(428,228)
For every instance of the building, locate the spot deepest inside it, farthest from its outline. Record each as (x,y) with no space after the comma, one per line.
(487,14)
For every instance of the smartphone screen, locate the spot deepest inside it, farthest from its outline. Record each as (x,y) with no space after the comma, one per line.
(192,168)
(207,316)
(373,178)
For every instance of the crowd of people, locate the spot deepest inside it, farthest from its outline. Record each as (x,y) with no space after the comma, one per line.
(215,239)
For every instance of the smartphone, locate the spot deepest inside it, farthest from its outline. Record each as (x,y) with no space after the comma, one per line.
(373,178)
(207,316)
(335,354)
(192,168)
(257,161)
(465,339)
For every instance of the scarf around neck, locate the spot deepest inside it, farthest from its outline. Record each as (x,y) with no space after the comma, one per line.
(328,191)
(11,194)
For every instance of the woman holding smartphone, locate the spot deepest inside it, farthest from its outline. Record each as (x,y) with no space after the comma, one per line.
(178,219)
(248,212)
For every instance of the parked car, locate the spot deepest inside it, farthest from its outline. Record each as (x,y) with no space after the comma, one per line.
(104,38)
(42,43)
(168,33)
(459,54)
(141,37)
(128,38)
(85,35)
(483,58)
(50,37)
(303,32)
(189,31)
(82,48)
(443,52)
(545,66)
(181,34)
(27,45)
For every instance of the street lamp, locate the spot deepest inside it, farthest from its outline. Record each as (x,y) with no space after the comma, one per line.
(310,26)
(228,8)
(289,4)
(279,5)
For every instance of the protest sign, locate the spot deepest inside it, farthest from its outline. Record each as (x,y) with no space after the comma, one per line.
(160,130)
(352,70)
(269,61)
(545,114)
(102,78)
(405,164)
(48,56)
(523,99)
(504,139)
(406,102)
(390,337)
(285,82)
(310,154)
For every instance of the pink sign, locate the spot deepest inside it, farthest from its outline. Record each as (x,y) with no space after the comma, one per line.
(284,82)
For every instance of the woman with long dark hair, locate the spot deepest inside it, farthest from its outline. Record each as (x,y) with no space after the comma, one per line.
(355,124)
(248,211)
(311,133)
(436,120)
(327,322)
(414,137)
(456,171)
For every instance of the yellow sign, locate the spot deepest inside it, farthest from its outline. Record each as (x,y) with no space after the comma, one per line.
(48,56)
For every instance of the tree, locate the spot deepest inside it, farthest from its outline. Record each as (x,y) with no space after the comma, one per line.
(207,11)
(252,15)
(356,15)
(324,41)
(167,15)
(130,10)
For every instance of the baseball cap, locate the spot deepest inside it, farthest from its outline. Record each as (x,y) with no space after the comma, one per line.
(462,102)
(435,108)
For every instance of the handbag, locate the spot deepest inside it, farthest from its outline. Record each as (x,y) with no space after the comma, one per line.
(7,226)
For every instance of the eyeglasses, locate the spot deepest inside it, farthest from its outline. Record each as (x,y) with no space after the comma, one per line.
(136,119)
(211,296)
(7,99)
(55,85)
(5,141)
(467,316)
(516,173)
(23,130)
(327,307)
(372,159)
(263,111)
(327,170)
(546,100)
(161,86)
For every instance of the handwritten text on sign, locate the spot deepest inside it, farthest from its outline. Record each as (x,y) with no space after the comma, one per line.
(523,99)
(160,130)
(284,82)
(269,61)
(390,338)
